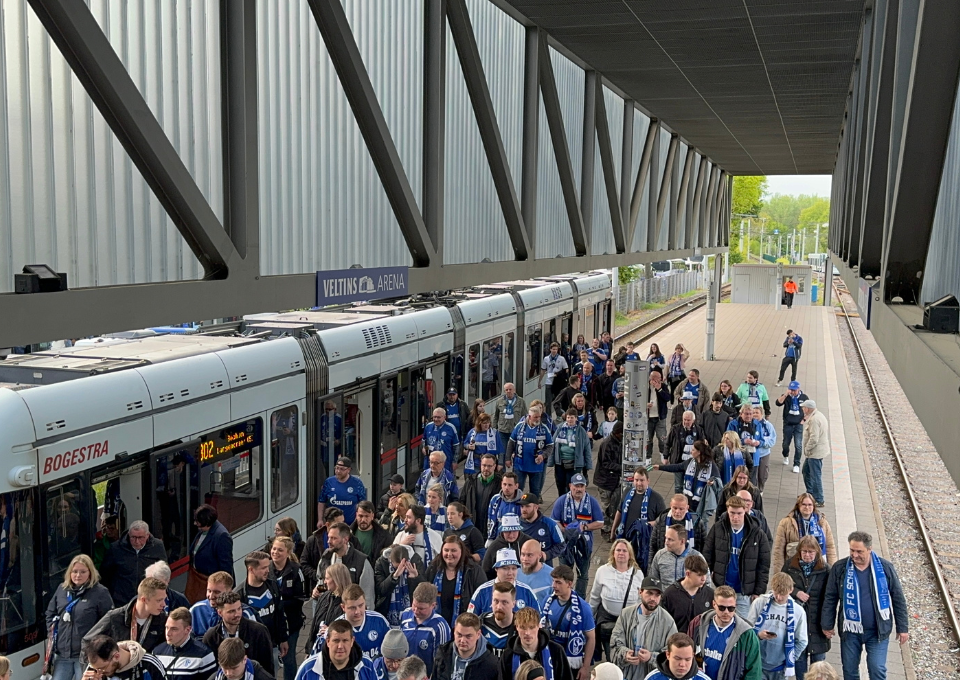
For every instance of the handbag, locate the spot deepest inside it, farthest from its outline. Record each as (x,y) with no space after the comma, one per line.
(49,657)
(604,619)
(196,588)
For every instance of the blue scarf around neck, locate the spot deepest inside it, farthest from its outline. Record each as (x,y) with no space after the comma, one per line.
(625,506)
(693,487)
(811,527)
(789,644)
(731,461)
(399,600)
(852,618)
(438,582)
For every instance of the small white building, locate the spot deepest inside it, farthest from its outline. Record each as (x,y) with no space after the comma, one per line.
(757,284)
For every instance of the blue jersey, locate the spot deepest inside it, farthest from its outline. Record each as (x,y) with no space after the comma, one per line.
(569,625)
(569,513)
(547,531)
(495,635)
(714,647)
(540,581)
(485,442)
(453,416)
(369,634)
(312,669)
(425,638)
(497,509)
(436,520)
(482,600)
(733,567)
(530,442)
(443,438)
(203,617)
(343,495)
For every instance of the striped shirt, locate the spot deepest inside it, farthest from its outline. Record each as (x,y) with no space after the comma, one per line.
(192,661)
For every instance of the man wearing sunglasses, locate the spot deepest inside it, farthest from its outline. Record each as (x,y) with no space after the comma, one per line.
(725,641)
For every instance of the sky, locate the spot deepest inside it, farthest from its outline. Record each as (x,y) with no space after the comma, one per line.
(812,185)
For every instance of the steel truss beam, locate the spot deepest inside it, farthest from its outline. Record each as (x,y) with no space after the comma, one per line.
(665,184)
(345,55)
(682,213)
(693,226)
(861,159)
(531,134)
(83,44)
(609,172)
(653,133)
(588,155)
(926,132)
(434,118)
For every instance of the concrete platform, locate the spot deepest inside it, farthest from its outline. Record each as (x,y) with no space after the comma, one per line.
(751,337)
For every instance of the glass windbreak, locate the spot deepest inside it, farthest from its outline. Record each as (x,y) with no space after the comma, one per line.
(284,458)
(230,473)
(19,609)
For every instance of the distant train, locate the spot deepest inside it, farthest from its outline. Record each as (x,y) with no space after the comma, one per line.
(151,426)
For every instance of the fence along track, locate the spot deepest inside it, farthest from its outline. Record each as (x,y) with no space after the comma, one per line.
(686,307)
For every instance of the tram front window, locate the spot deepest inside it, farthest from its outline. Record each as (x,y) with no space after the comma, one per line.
(18,588)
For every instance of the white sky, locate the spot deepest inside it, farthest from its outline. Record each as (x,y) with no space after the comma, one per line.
(812,185)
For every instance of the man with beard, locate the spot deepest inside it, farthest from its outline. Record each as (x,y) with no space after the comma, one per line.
(340,658)
(497,625)
(373,538)
(640,632)
(680,444)
(724,638)
(419,540)
(533,571)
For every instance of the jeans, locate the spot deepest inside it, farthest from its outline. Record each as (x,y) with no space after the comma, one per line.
(788,298)
(792,363)
(743,605)
(290,660)
(760,472)
(678,482)
(582,566)
(68,669)
(563,476)
(656,427)
(793,432)
(812,470)
(851,648)
(804,661)
(536,480)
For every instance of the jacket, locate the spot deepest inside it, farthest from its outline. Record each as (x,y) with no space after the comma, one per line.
(660,626)
(714,425)
(667,567)
(273,616)
(116,624)
(816,438)
(751,454)
(563,400)
(702,394)
(327,610)
(548,532)
(754,558)
(743,392)
(684,608)
(317,666)
(583,447)
(505,425)
(462,411)
(662,670)
(383,576)
(605,387)
(313,552)
(483,665)
(123,568)
(728,491)
(470,534)
(731,402)
(609,464)
(257,672)
(664,397)
(382,539)
(356,563)
(787,404)
(93,606)
(476,496)
(191,661)
(490,557)
(256,641)
(659,534)
(768,438)
(788,532)
(741,659)
(676,415)
(447,481)
(831,619)
(293,592)
(815,586)
(676,441)
(473,578)
(545,646)
(215,553)
(142,665)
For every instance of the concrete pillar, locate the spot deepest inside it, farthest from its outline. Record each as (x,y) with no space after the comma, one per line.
(636,396)
(713,297)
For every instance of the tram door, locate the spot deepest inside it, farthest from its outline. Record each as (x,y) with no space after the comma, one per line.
(358,439)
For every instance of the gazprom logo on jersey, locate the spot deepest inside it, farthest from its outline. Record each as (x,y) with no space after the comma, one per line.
(358,285)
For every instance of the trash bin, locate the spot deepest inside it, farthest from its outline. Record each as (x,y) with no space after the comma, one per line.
(813,294)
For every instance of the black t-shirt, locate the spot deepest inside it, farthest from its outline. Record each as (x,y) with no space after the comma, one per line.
(447,589)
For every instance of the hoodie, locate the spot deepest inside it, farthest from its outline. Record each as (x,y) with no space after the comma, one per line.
(545,647)
(482,664)
(318,666)
(663,671)
(141,666)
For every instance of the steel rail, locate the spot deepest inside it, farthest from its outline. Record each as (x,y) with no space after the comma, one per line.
(700,301)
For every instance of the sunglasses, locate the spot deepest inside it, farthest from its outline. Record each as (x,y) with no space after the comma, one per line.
(725,608)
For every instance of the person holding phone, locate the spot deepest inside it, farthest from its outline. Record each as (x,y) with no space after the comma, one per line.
(781,624)
(641,633)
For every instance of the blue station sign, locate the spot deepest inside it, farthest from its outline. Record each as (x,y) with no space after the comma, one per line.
(340,286)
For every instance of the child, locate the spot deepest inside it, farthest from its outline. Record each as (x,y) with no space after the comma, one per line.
(436,513)
(607,427)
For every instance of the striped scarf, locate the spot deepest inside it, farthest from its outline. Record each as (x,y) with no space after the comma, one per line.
(399,600)
(438,582)
(811,527)
(789,644)
(852,618)
(625,507)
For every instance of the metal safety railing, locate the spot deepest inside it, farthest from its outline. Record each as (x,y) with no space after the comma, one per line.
(632,296)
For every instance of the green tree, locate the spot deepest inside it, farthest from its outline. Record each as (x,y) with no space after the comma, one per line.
(748,194)
(785,209)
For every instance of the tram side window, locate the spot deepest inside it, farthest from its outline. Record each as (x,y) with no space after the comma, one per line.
(474,371)
(534,345)
(492,367)
(508,354)
(284,458)
(19,609)
(331,427)
(65,510)
(231,479)
(565,339)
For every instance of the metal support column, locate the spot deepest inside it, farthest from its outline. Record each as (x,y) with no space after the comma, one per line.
(713,297)
(531,133)
(636,397)
(588,154)
(434,118)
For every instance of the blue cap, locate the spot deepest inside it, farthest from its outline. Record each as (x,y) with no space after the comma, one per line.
(578,479)
(794,385)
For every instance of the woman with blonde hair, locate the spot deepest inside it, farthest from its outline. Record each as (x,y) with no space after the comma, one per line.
(615,587)
(529,670)
(393,520)
(728,455)
(76,606)
(285,572)
(802,520)
(336,580)
(821,670)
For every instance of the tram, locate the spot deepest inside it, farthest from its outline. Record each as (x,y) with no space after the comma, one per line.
(152,425)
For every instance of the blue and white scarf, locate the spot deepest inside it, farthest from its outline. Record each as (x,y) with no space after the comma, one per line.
(436,520)
(812,527)
(487,440)
(625,506)
(576,616)
(399,600)
(693,488)
(438,582)
(852,619)
(427,547)
(675,370)
(789,644)
(688,525)
(545,660)
(731,461)
(247,672)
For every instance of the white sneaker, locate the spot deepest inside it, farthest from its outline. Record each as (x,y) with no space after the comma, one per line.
(779,383)
(786,461)
(796,469)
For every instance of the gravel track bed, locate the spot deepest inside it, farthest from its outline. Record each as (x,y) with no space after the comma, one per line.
(934,650)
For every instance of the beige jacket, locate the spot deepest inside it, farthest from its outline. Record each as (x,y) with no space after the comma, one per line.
(787,533)
(816,436)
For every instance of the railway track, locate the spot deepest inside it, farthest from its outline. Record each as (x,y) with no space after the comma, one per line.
(929,532)
(649,328)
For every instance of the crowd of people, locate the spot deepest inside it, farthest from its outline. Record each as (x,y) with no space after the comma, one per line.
(468,578)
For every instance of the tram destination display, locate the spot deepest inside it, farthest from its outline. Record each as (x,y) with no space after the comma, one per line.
(229,441)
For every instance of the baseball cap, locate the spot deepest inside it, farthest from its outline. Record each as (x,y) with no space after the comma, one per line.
(452,390)
(509,523)
(397,479)
(345,462)
(528,499)
(650,583)
(506,557)
(687,395)
(809,403)
(794,385)
(578,479)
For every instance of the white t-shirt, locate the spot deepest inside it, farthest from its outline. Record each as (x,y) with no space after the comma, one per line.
(553,365)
